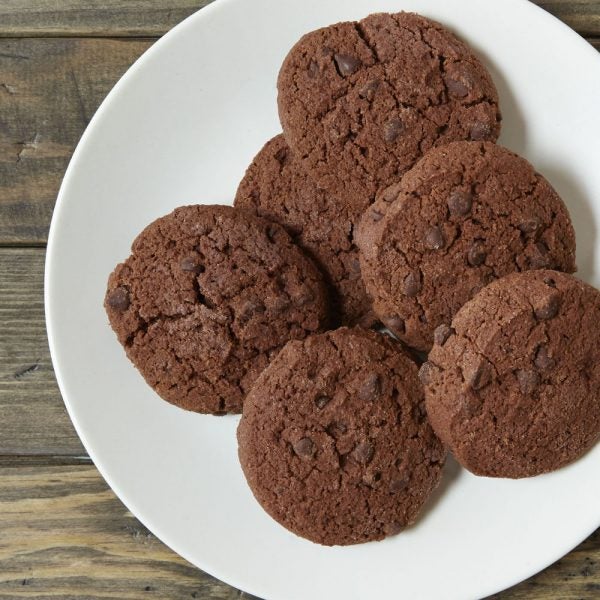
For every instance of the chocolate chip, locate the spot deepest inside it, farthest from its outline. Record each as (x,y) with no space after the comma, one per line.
(456,88)
(398,484)
(280,303)
(346,64)
(313,69)
(303,298)
(480,131)
(304,447)
(442,333)
(412,285)
(392,528)
(336,429)
(427,372)
(370,388)
(550,282)
(547,307)
(528,381)
(394,323)
(192,263)
(272,232)
(363,452)
(529,225)
(476,255)
(376,215)
(119,299)
(282,156)
(543,361)
(434,238)
(392,130)
(460,203)
(478,373)
(368,90)
(540,258)
(251,307)
(322,401)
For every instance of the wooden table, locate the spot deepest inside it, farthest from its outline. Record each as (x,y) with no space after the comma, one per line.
(63,533)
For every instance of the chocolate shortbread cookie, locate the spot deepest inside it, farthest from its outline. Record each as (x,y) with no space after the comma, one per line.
(466,214)
(208,296)
(276,187)
(360,102)
(513,386)
(334,440)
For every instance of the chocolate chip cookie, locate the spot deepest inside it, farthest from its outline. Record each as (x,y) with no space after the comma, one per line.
(513,385)
(360,102)
(466,214)
(334,440)
(208,296)
(276,187)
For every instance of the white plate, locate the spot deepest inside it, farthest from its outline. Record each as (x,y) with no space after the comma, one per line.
(180,127)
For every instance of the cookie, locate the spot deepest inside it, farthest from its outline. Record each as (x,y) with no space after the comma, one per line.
(276,187)
(208,296)
(360,102)
(513,386)
(334,440)
(465,215)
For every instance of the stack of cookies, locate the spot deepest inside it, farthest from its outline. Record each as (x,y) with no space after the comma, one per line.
(387,204)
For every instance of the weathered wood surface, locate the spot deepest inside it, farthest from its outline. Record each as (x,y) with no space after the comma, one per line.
(21,18)
(33,419)
(49,90)
(25,18)
(65,535)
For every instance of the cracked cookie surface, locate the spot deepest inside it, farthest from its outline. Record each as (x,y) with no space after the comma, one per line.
(276,187)
(334,440)
(463,216)
(207,297)
(361,102)
(512,387)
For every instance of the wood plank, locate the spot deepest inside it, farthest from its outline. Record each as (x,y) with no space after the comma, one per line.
(32,414)
(25,18)
(21,18)
(49,90)
(582,15)
(65,535)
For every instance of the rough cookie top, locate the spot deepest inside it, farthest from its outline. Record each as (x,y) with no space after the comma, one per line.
(276,187)
(208,296)
(466,214)
(513,387)
(334,441)
(360,102)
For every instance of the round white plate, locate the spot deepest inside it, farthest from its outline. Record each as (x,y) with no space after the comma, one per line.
(180,127)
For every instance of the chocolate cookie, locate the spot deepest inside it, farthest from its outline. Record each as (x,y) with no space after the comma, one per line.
(276,187)
(513,387)
(334,441)
(466,214)
(208,296)
(360,102)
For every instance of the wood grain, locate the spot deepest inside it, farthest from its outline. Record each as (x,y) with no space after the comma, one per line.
(26,18)
(65,534)
(20,18)
(49,90)
(32,415)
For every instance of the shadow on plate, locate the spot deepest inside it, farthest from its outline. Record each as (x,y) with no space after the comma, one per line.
(452,472)
(582,216)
